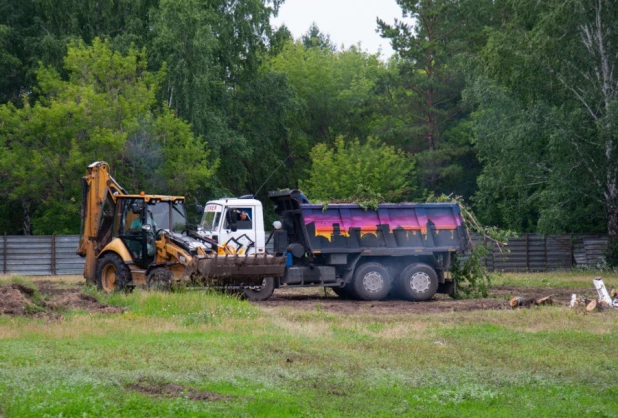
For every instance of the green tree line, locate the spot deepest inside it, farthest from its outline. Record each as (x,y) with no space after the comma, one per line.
(508,103)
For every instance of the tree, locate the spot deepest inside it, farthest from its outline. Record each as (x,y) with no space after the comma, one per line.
(420,95)
(554,66)
(336,89)
(268,113)
(213,50)
(315,38)
(336,173)
(41,30)
(106,110)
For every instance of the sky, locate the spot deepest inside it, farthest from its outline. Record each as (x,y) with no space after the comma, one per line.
(346,21)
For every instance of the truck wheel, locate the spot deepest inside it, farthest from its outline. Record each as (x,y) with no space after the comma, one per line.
(371,282)
(159,278)
(263,292)
(418,282)
(112,273)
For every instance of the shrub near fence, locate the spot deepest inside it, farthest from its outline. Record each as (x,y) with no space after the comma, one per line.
(51,255)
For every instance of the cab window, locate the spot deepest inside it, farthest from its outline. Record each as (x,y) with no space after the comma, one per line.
(242,216)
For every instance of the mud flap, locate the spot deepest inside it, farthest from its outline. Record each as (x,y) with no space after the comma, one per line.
(449,287)
(233,270)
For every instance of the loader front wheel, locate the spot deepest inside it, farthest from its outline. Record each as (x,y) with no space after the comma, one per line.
(112,274)
(159,278)
(262,292)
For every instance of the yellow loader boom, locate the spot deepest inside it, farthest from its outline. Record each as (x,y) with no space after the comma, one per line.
(97,187)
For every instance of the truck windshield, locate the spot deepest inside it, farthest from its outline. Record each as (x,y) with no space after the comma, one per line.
(211,218)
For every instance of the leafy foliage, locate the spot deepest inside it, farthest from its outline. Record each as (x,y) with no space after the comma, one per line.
(473,278)
(337,172)
(545,124)
(106,110)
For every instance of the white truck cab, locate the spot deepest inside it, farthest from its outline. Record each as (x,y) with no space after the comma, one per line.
(235,224)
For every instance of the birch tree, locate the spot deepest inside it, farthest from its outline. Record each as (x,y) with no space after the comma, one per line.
(559,56)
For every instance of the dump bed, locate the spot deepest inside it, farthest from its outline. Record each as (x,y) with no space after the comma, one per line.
(394,229)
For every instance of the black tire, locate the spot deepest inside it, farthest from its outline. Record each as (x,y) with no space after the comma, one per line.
(418,282)
(371,281)
(263,293)
(112,274)
(159,278)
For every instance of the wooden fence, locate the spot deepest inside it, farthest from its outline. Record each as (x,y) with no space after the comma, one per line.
(532,252)
(40,255)
(51,255)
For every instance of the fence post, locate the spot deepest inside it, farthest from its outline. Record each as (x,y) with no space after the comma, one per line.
(527,256)
(546,262)
(53,255)
(572,251)
(487,256)
(4,250)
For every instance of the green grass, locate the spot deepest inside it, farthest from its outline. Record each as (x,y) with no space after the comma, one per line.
(570,278)
(549,361)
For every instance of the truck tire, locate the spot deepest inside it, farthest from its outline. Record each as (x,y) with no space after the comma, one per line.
(264,292)
(418,282)
(112,273)
(371,281)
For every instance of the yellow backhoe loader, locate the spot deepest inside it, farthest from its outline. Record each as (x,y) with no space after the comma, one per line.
(138,239)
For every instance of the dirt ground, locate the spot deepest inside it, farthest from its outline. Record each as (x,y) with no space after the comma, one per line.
(170,390)
(53,298)
(50,299)
(499,296)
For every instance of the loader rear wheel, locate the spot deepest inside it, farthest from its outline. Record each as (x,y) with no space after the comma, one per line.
(263,292)
(159,278)
(112,273)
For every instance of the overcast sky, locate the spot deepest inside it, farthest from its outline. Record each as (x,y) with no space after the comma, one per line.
(346,21)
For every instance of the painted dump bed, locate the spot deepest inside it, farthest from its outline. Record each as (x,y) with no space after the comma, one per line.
(394,229)
(407,227)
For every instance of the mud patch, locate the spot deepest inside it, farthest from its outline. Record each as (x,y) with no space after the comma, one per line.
(170,390)
(84,302)
(48,301)
(311,299)
(12,301)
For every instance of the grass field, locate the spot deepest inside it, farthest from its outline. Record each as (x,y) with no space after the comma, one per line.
(203,354)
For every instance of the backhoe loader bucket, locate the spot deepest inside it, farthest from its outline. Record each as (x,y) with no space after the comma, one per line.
(233,270)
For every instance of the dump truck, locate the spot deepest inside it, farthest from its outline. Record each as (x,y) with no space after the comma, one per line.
(130,240)
(398,249)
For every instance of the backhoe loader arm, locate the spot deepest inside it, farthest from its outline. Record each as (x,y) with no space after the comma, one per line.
(97,186)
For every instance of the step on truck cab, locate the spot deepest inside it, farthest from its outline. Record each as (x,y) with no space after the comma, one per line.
(401,250)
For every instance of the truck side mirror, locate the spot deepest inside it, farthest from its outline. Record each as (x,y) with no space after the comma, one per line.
(199,209)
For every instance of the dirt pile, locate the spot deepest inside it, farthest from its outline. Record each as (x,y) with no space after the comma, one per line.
(48,298)
(12,301)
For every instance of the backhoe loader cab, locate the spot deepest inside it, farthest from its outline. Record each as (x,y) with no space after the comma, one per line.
(139,239)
